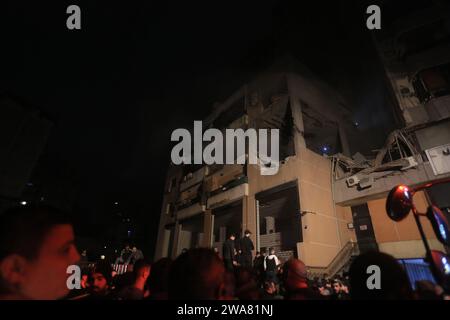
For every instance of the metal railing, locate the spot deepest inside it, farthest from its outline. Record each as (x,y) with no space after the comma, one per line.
(337,264)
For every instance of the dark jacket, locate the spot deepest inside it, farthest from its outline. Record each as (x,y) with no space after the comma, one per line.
(247,246)
(228,250)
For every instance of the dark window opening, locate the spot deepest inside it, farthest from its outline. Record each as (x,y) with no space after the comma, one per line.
(396,151)
(432,83)
(287,147)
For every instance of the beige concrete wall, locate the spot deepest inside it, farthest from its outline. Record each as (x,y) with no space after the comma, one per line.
(165,244)
(402,239)
(344,216)
(323,230)
(409,249)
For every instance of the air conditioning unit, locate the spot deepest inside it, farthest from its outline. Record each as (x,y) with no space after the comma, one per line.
(366,182)
(352,181)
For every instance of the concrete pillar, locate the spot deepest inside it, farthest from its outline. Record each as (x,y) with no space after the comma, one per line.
(176,240)
(249,217)
(165,244)
(344,141)
(200,239)
(159,245)
(296,108)
(208,229)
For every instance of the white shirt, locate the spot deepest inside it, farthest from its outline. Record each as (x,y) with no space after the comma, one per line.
(272,256)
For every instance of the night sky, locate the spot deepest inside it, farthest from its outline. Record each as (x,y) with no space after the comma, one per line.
(118,87)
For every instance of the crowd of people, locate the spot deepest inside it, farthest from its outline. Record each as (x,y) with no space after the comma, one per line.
(37,245)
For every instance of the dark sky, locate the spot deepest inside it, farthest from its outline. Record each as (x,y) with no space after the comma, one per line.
(118,87)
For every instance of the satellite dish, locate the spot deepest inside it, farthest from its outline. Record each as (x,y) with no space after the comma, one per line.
(399,203)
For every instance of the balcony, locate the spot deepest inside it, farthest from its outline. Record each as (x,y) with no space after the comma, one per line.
(382,183)
(190,211)
(225,175)
(194,178)
(228,196)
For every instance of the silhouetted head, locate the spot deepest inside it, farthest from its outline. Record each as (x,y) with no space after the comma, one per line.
(36,247)
(294,274)
(159,277)
(197,275)
(393,281)
(141,269)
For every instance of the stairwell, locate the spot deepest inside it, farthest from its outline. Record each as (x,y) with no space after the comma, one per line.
(339,264)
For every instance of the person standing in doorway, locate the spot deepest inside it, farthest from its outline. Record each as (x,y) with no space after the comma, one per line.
(246,247)
(228,252)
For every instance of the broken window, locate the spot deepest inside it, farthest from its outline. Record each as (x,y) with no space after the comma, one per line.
(320,133)
(432,83)
(396,151)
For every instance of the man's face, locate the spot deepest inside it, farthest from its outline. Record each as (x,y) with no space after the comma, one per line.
(45,277)
(232,237)
(99,283)
(336,287)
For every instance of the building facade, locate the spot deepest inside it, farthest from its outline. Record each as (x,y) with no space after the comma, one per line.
(294,210)
(327,201)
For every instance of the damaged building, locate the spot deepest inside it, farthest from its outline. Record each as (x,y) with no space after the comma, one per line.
(292,211)
(327,202)
(414,49)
